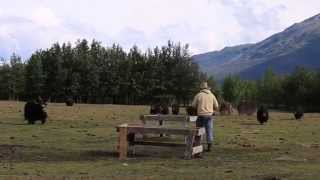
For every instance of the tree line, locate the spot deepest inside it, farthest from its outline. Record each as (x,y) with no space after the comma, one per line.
(91,73)
(299,89)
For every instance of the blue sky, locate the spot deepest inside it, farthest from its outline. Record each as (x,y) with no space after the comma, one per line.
(206,25)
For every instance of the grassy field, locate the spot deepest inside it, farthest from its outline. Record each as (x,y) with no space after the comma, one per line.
(79,143)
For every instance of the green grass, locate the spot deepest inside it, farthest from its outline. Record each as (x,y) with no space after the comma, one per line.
(79,142)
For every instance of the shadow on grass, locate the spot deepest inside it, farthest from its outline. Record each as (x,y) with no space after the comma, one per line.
(250,124)
(272,176)
(287,119)
(39,154)
(15,124)
(21,153)
(99,154)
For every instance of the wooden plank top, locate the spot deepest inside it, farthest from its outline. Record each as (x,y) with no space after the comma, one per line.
(152,143)
(135,128)
(158,117)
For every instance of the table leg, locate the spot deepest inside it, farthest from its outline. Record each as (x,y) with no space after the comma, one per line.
(189,146)
(123,143)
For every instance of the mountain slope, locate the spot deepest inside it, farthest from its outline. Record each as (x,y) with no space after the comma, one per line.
(295,46)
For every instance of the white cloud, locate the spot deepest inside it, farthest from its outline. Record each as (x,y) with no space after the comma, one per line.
(205,24)
(44,17)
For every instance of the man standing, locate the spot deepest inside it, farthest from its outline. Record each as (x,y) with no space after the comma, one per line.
(206,104)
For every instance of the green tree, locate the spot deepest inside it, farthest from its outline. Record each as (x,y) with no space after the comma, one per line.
(84,66)
(17,78)
(296,87)
(231,89)
(34,76)
(96,74)
(4,80)
(249,91)
(54,76)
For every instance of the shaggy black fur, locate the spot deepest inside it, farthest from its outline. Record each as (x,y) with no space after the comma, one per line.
(191,111)
(33,111)
(159,109)
(69,102)
(164,109)
(155,109)
(175,109)
(262,115)
(299,113)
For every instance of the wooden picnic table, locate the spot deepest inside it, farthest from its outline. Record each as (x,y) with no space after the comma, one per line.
(192,134)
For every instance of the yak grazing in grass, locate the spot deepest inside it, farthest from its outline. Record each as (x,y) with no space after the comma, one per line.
(69,102)
(299,113)
(175,109)
(159,109)
(191,111)
(165,109)
(34,111)
(262,115)
(155,109)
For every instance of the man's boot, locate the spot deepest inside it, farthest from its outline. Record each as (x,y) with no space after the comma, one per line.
(209,147)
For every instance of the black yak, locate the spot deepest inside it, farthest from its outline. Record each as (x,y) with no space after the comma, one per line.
(175,109)
(34,111)
(164,109)
(262,115)
(69,102)
(191,111)
(299,113)
(159,109)
(155,109)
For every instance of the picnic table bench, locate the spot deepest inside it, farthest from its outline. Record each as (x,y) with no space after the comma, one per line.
(192,134)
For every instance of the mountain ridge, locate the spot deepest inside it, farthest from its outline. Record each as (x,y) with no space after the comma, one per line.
(292,42)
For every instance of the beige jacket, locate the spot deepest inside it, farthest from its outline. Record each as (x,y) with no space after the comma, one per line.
(205,102)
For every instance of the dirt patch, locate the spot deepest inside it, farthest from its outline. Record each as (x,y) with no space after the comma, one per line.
(270,177)
(7,152)
(11,152)
(241,141)
(315,146)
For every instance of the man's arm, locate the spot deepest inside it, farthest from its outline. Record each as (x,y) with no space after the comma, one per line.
(215,103)
(195,101)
